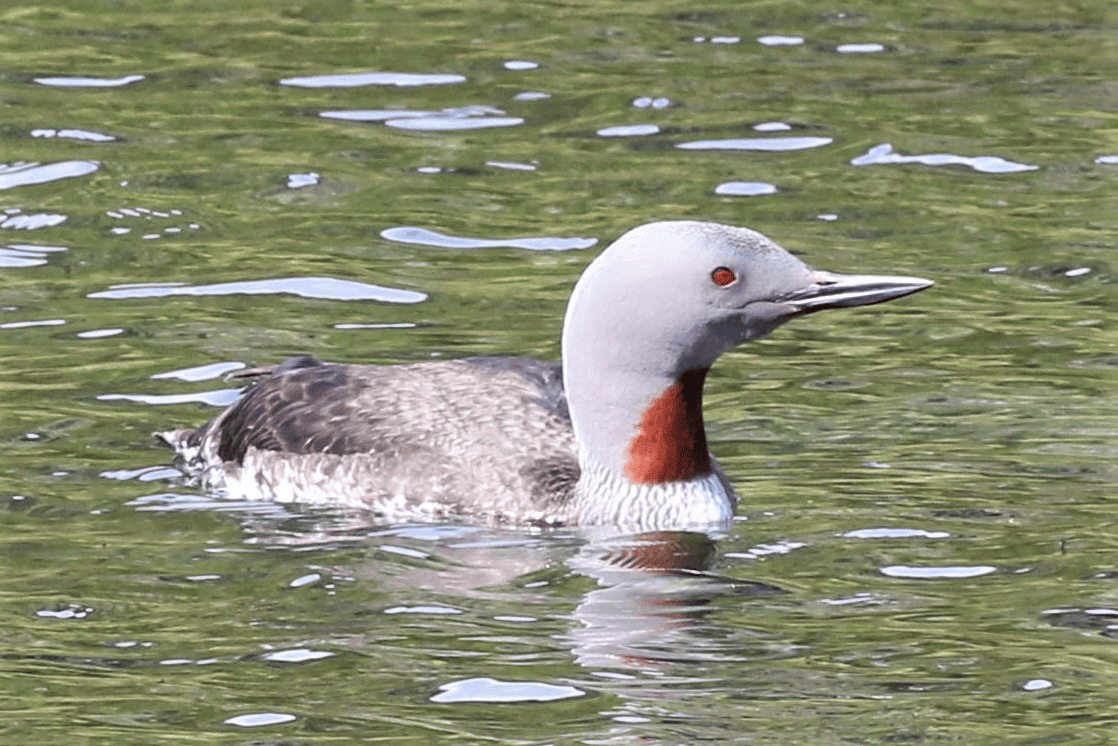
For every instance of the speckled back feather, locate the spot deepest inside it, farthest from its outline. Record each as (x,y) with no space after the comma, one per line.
(433,438)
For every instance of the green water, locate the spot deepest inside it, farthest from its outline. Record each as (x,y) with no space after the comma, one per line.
(927,482)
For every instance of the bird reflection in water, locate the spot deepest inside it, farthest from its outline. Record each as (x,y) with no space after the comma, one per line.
(655,591)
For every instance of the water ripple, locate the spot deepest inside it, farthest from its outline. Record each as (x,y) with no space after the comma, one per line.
(311,578)
(258,719)
(324,288)
(629,130)
(219,398)
(745,189)
(457,118)
(422,610)
(26,255)
(170,502)
(73,135)
(772,144)
(100,333)
(424,237)
(143,474)
(14,219)
(33,323)
(200,372)
(895,533)
(485,689)
(374,115)
(83,82)
(989,164)
(126,214)
(297,655)
(775,40)
(299,181)
(452,119)
(512,165)
(717,39)
(937,573)
(24,174)
(354,80)
(66,611)
(763,550)
(870,48)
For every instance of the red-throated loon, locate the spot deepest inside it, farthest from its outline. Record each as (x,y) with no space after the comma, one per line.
(614,436)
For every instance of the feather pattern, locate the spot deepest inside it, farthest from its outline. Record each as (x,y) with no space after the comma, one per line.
(432,439)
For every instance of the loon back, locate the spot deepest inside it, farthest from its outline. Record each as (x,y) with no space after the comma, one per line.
(487,436)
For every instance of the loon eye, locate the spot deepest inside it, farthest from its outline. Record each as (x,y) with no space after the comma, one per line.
(723,276)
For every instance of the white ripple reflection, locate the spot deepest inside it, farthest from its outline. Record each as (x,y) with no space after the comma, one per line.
(894,533)
(297,655)
(71,134)
(26,255)
(324,288)
(24,174)
(485,689)
(745,189)
(33,323)
(451,122)
(629,130)
(354,80)
(100,333)
(200,372)
(937,573)
(457,118)
(870,48)
(988,164)
(260,719)
(512,165)
(301,181)
(772,127)
(373,115)
(776,40)
(219,398)
(424,237)
(773,144)
(14,219)
(86,82)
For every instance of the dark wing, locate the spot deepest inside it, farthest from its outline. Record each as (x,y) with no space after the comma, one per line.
(304,408)
(483,426)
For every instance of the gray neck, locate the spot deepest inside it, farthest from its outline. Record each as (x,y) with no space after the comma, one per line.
(672,488)
(606,411)
(636,406)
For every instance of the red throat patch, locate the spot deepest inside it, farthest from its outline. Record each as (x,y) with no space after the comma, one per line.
(671,443)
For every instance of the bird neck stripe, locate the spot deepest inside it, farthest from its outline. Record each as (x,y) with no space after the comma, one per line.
(671,443)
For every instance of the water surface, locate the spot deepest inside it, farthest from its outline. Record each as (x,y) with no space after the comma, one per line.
(925,550)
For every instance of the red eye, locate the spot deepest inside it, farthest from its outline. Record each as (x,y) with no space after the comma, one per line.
(723,276)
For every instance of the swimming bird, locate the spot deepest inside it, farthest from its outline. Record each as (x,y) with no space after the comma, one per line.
(613,436)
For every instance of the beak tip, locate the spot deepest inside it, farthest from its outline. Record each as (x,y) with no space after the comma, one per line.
(832,290)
